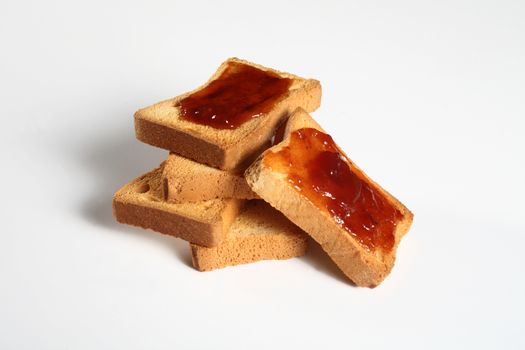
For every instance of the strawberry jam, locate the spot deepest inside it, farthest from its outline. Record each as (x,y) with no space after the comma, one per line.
(240,93)
(317,169)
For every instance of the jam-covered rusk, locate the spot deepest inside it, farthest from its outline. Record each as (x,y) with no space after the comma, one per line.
(316,168)
(311,181)
(231,119)
(240,93)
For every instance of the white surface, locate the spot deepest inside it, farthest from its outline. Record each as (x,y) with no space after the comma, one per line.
(427,97)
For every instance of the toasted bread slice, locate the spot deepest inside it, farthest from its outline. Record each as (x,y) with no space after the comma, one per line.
(365,265)
(185,180)
(140,203)
(163,126)
(258,233)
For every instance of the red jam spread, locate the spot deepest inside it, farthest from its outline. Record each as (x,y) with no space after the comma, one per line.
(316,168)
(240,93)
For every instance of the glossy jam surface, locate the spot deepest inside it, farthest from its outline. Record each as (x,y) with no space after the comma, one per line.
(240,93)
(315,167)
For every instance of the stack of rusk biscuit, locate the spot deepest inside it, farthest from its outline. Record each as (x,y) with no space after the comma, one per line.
(250,175)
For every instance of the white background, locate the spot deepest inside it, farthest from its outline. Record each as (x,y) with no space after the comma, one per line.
(427,96)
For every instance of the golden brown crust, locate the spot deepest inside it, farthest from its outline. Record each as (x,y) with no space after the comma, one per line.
(206,234)
(140,203)
(185,180)
(186,144)
(159,125)
(258,233)
(363,267)
(246,250)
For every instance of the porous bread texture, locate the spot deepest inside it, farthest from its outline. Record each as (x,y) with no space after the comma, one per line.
(161,125)
(140,203)
(258,233)
(184,180)
(365,268)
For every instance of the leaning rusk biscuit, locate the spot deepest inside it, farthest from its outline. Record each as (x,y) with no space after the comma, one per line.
(314,184)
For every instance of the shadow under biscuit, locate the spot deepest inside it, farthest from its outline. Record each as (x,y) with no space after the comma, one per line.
(112,159)
(319,260)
